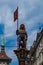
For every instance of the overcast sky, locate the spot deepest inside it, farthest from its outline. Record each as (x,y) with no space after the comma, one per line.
(30,13)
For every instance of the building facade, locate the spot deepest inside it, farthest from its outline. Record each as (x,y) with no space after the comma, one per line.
(4,59)
(36,51)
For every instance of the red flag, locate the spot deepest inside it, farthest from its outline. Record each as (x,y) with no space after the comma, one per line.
(16,14)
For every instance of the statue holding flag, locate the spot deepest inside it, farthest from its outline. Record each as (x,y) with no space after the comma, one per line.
(21,33)
(22,36)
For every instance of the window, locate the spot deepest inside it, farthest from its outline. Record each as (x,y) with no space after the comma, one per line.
(2,56)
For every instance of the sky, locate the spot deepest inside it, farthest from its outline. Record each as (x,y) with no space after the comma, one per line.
(30,13)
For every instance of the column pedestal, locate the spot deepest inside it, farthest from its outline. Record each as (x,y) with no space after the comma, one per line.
(21,55)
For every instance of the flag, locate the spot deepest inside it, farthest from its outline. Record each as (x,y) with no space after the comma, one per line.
(16,14)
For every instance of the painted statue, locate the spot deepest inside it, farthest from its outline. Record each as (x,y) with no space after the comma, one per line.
(22,36)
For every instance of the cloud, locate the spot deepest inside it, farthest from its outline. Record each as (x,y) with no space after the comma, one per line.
(31,38)
(11,54)
(7,18)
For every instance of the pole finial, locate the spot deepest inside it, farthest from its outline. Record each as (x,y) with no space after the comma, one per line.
(3,45)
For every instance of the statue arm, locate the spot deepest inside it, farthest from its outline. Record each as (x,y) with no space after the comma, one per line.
(26,36)
(17,32)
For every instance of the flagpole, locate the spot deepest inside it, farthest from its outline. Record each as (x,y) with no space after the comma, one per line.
(17,24)
(17,28)
(16,18)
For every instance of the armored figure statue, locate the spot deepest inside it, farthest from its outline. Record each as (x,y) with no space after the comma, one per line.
(22,36)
